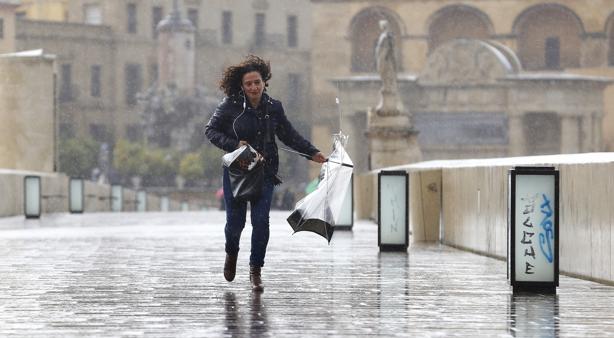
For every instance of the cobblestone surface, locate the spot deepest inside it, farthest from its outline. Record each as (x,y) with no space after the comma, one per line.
(160,274)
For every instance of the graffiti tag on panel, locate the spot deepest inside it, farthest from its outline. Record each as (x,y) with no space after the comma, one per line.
(535,227)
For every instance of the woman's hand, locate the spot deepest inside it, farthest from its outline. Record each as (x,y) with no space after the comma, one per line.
(241,144)
(319,157)
(259,157)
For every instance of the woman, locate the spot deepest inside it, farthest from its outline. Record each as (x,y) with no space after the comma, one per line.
(247,115)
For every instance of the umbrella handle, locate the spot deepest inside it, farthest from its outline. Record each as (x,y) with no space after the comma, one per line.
(343,164)
(327,160)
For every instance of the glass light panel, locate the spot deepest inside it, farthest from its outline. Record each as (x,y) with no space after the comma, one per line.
(32,196)
(76,195)
(141,201)
(393,205)
(116,198)
(534,228)
(164,204)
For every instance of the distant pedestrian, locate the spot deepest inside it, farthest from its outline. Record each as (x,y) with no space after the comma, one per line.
(247,115)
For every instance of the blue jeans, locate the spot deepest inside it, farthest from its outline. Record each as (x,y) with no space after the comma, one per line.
(235,220)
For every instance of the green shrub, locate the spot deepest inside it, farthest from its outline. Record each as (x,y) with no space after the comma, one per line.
(78,156)
(129,159)
(192,167)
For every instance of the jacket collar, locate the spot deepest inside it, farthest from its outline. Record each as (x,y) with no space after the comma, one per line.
(238,99)
(265,99)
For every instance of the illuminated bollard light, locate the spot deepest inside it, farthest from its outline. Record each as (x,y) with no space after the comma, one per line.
(141,201)
(117,198)
(533,229)
(184,206)
(32,196)
(164,203)
(76,195)
(392,220)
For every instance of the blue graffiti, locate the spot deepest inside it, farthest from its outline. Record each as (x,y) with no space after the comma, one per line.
(547,238)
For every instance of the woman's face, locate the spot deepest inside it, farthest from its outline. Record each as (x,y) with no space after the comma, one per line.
(253,86)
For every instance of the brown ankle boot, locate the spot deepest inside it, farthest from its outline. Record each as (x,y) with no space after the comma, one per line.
(230,267)
(255,278)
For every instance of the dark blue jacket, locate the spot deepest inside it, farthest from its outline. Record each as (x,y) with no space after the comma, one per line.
(251,125)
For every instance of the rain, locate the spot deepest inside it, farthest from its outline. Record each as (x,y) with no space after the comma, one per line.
(105,107)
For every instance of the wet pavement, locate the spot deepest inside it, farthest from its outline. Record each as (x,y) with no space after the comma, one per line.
(160,274)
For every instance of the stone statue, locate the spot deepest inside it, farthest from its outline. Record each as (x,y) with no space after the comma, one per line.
(392,138)
(387,69)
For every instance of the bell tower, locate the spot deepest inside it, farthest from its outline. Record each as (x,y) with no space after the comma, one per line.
(176,57)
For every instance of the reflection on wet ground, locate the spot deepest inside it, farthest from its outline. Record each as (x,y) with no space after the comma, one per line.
(248,322)
(161,275)
(534,315)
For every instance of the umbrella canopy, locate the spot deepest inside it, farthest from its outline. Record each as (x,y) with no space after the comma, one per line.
(312,185)
(319,211)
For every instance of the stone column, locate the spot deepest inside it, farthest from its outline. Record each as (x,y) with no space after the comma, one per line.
(515,136)
(597,123)
(392,140)
(570,138)
(586,133)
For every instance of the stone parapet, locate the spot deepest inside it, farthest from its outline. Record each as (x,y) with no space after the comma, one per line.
(463,203)
(55,195)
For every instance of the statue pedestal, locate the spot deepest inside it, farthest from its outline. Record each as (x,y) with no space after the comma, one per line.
(392,139)
(388,105)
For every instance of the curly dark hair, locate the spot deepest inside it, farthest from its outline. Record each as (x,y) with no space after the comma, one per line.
(233,75)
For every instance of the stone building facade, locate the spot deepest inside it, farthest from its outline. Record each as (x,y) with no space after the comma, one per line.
(472,100)
(107,53)
(549,39)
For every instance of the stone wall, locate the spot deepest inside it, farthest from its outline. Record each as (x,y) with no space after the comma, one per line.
(55,195)
(464,204)
(97,197)
(27,130)
(11,184)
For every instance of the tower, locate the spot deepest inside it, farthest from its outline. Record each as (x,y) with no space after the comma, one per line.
(176,57)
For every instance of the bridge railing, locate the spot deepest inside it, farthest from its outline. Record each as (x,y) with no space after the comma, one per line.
(55,195)
(463,203)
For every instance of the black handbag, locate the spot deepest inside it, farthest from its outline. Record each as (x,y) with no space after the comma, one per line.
(246,173)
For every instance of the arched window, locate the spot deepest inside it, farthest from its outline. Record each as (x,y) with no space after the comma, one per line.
(457,21)
(364,31)
(549,37)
